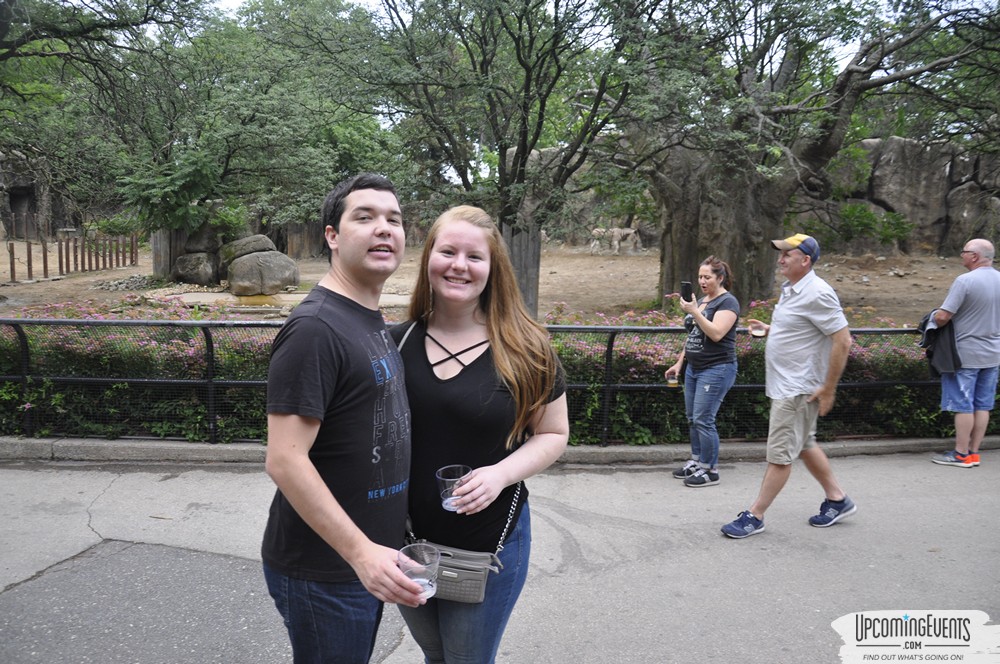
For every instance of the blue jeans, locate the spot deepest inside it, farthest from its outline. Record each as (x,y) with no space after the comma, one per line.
(969,390)
(704,390)
(458,633)
(332,623)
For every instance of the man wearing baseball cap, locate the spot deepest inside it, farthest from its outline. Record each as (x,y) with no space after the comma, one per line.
(807,346)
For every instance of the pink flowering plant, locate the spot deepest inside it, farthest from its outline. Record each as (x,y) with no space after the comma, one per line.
(143,354)
(614,366)
(882,368)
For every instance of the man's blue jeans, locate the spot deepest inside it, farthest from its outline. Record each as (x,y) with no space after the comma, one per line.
(459,633)
(704,390)
(331,623)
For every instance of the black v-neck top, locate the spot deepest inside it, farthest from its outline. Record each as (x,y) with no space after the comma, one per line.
(464,419)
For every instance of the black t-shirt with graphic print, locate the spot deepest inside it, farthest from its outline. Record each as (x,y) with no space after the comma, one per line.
(333,360)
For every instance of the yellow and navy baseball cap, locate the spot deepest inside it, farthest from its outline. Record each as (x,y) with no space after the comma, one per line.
(804,243)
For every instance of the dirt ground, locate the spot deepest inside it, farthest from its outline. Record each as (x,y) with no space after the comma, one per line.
(901,288)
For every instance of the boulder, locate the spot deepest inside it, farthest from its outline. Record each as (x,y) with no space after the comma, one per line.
(262,273)
(201,268)
(911,179)
(237,248)
(972,212)
(204,240)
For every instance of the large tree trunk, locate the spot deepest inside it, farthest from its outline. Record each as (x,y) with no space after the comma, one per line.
(526,255)
(527,204)
(726,192)
(729,215)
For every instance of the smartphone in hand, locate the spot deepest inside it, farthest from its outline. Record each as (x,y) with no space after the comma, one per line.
(686,290)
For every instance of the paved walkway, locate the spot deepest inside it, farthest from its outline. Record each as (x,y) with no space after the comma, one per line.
(149,552)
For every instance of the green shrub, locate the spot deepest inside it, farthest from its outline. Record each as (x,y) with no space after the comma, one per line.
(878,396)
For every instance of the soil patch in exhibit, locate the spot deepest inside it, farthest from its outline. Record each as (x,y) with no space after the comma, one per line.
(898,288)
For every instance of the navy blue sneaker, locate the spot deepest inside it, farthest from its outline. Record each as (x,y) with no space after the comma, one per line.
(702,477)
(831,512)
(687,470)
(745,525)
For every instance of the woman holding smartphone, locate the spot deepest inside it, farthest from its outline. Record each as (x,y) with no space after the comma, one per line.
(710,352)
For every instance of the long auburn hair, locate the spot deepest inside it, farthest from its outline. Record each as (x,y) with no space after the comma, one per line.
(524,359)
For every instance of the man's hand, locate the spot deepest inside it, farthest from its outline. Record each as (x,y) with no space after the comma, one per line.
(826,398)
(376,567)
(839,350)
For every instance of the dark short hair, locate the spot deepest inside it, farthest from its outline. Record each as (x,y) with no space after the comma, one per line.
(333,205)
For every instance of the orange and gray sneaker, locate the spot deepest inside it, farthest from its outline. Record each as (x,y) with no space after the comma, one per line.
(954,458)
(974,458)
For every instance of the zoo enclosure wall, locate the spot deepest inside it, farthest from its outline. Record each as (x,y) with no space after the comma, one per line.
(206,381)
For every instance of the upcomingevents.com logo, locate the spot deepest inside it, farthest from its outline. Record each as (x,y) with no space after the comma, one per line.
(869,629)
(918,636)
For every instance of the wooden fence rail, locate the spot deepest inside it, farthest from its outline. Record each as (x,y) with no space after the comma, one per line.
(77,254)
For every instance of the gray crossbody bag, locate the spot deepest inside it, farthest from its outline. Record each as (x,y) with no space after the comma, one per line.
(462,574)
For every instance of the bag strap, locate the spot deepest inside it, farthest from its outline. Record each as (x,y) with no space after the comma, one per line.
(510,518)
(402,341)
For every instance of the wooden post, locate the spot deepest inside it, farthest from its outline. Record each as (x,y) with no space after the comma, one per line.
(59,251)
(10,248)
(167,246)
(45,260)
(30,275)
(76,255)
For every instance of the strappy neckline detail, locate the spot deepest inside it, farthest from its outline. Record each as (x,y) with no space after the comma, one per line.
(451,355)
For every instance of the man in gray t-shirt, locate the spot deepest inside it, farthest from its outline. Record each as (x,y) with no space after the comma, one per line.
(807,346)
(972,306)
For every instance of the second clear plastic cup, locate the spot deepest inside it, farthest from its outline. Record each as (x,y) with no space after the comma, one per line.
(450,478)
(420,562)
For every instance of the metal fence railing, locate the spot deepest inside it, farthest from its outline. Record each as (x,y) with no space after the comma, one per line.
(206,381)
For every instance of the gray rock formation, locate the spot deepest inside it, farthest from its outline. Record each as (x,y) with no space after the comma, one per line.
(204,240)
(262,273)
(230,251)
(201,268)
(947,194)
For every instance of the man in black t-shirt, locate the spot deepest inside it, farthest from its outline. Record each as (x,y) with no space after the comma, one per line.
(338,442)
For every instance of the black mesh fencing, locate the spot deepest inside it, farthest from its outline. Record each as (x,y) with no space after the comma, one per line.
(206,381)
(190,380)
(618,394)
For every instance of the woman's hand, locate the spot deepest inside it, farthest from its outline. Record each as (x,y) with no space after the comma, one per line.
(688,306)
(479,489)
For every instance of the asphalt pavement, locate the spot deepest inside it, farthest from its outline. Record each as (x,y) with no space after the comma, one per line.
(148,552)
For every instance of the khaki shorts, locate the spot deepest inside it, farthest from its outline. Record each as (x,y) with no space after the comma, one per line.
(792,428)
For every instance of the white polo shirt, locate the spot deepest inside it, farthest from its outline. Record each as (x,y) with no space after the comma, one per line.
(797,354)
